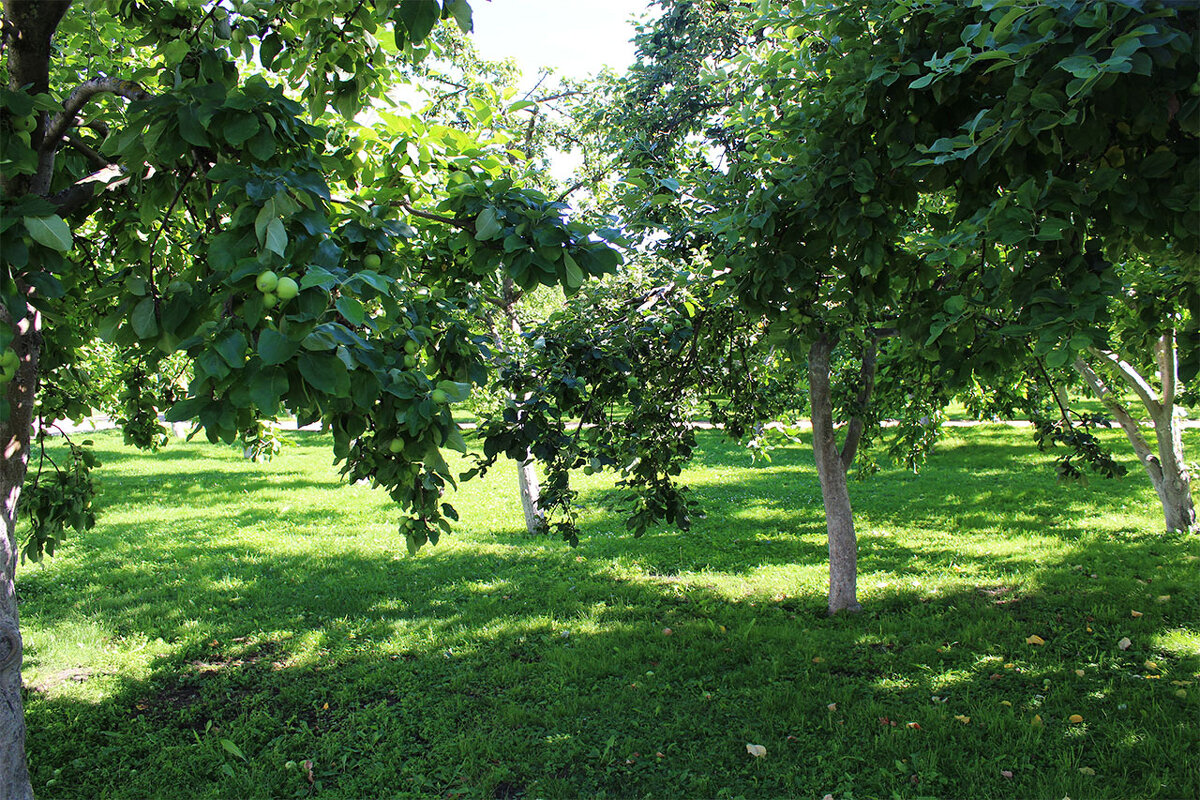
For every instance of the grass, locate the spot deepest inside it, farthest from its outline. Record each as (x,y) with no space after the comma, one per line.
(237,630)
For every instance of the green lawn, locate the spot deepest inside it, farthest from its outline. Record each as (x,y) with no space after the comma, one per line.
(238,630)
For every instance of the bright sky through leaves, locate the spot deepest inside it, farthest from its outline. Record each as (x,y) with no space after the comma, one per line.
(575,37)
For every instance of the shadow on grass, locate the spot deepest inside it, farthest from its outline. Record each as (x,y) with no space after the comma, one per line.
(528,669)
(535,674)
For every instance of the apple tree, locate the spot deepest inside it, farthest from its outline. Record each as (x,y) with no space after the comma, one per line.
(921,187)
(187,180)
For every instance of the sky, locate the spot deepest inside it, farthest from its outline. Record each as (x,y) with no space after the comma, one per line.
(576,37)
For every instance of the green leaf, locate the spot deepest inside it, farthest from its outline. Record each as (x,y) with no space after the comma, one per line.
(326,374)
(271,46)
(232,748)
(275,348)
(50,232)
(461,11)
(458,391)
(574,275)
(1058,357)
(240,129)
(232,348)
(351,309)
(955,304)
(276,237)
(143,319)
(266,388)
(487,225)
(419,17)
(190,128)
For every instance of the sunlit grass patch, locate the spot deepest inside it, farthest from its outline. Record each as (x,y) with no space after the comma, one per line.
(275,608)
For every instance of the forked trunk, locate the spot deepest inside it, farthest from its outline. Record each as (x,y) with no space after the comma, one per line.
(1164,463)
(14,437)
(839,518)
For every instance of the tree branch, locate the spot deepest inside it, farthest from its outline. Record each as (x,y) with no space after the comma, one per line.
(75,143)
(1132,430)
(457,222)
(1168,370)
(78,194)
(1131,376)
(62,122)
(866,387)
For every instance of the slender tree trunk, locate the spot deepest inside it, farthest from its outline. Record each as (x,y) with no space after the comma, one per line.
(1164,463)
(839,517)
(531,493)
(528,486)
(15,439)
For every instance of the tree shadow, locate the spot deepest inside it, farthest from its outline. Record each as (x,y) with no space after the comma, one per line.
(526,668)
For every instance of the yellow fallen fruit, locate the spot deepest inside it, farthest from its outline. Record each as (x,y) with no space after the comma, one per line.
(817,659)
(1037,720)
(1079,672)
(1006,703)
(964,719)
(1087,771)
(1135,613)
(1035,640)
(1075,719)
(1150,665)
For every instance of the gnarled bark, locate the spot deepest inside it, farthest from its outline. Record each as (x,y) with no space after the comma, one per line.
(839,517)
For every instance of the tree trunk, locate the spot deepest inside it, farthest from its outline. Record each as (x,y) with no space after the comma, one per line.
(839,518)
(1166,468)
(531,492)
(15,439)
(527,480)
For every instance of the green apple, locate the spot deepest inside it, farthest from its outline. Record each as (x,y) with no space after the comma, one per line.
(266,281)
(913,119)
(410,361)
(396,445)
(863,199)
(668,329)
(23,124)
(9,360)
(440,397)
(411,347)
(269,300)
(372,261)
(287,288)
